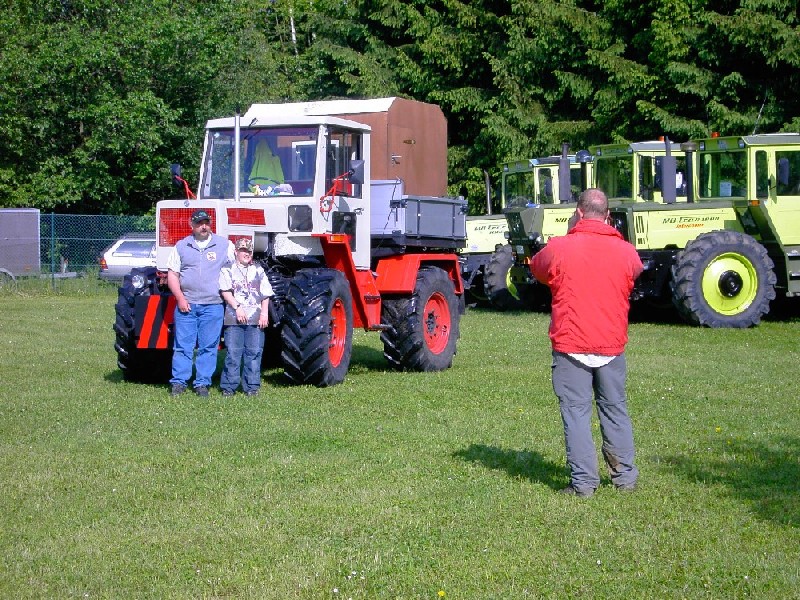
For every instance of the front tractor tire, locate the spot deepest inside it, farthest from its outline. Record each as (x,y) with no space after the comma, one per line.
(317,328)
(723,279)
(139,365)
(423,329)
(500,290)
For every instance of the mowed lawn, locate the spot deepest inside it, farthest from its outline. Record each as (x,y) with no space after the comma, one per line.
(394,485)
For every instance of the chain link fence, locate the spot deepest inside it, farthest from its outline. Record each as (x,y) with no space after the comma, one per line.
(64,251)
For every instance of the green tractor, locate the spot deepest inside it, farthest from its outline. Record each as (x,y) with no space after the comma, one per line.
(551,181)
(641,172)
(721,255)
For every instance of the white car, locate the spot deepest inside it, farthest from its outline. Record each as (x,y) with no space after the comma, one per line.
(131,250)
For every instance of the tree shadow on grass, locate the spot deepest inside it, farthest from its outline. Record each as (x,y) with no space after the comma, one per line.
(362,356)
(655,313)
(662,312)
(764,475)
(368,358)
(783,310)
(517,463)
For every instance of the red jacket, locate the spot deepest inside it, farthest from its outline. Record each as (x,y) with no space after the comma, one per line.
(590,272)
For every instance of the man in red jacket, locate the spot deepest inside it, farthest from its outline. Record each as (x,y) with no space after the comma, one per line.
(590,273)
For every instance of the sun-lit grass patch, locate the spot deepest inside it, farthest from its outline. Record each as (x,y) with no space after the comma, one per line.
(393,485)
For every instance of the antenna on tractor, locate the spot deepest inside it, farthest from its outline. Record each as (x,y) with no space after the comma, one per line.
(760,111)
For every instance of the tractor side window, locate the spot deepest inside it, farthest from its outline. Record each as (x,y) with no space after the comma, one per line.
(723,174)
(575,182)
(762,175)
(788,183)
(545,186)
(343,147)
(647,177)
(680,177)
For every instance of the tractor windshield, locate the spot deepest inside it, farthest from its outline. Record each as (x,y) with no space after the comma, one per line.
(519,188)
(614,175)
(722,174)
(274,162)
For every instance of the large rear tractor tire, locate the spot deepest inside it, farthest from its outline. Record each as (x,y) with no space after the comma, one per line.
(317,328)
(137,365)
(723,279)
(500,290)
(476,293)
(271,356)
(424,328)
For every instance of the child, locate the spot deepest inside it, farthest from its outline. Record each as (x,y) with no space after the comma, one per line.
(246,291)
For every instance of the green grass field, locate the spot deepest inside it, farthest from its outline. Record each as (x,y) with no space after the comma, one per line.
(393,485)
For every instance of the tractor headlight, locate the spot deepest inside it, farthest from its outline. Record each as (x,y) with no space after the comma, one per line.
(138,281)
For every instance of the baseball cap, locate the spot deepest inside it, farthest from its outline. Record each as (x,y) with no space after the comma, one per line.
(244,244)
(200,215)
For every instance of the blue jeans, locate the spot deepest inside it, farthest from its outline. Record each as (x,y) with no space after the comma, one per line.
(245,344)
(200,328)
(575,384)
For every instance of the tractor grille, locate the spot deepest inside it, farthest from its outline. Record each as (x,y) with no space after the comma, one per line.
(173,223)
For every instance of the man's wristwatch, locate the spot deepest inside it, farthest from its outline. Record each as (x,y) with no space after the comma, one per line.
(237,307)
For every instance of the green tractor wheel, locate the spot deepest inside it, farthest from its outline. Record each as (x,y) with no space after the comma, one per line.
(723,279)
(500,289)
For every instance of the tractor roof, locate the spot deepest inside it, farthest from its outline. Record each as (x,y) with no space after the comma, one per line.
(281,119)
(647,146)
(527,165)
(760,139)
(320,108)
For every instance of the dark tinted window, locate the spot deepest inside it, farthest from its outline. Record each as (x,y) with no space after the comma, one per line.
(137,248)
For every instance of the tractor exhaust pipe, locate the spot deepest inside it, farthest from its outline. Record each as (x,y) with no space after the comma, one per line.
(237,133)
(488,183)
(668,175)
(564,180)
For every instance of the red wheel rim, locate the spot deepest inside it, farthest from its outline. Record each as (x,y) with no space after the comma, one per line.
(338,332)
(436,323)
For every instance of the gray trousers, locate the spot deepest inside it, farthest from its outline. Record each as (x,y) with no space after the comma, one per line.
(574,384)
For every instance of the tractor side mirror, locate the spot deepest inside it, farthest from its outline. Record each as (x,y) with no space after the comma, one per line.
(177,180)
(356,172)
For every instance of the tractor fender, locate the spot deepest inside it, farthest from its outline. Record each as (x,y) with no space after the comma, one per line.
(398,274)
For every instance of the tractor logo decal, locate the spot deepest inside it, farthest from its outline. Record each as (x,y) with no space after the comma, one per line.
(686,222)
(491,227)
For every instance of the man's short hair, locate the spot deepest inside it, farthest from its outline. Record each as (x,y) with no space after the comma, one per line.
(593,203)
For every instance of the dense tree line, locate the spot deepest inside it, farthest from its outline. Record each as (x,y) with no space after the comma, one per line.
(97,97)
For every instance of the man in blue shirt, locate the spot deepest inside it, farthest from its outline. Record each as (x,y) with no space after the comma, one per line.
(192,277)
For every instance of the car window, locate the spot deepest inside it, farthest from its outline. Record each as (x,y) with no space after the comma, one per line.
(137,248)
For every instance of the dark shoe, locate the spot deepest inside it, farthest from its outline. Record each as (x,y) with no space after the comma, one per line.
(626,487)
(201,391)
(252,393)
(177,389)
(228,393)
(573,491)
